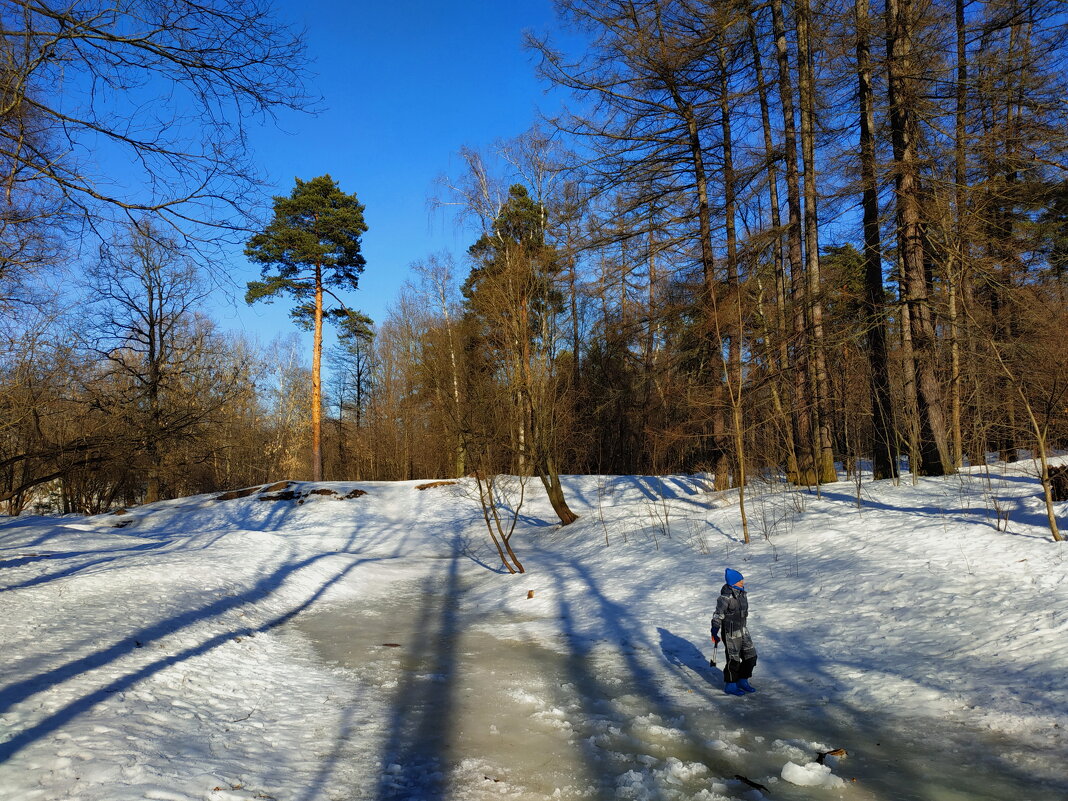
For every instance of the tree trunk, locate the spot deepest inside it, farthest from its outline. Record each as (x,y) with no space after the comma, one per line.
(488,502)
(779,354)
(721,464)
(460,451)
(342,449)
(904,126)
(536,422)
(576,336)
(883,446)
(733,373)
(803,433)
(908,377)
(317,384)
(821,418)
(153,323)
(959,260)
(550,479)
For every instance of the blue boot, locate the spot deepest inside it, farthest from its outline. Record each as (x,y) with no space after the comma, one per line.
(746,686)
(731,688)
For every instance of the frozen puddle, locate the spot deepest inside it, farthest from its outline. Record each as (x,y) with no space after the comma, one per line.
(468,715)
(449,711)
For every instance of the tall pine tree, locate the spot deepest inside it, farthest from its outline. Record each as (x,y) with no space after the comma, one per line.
(310,247)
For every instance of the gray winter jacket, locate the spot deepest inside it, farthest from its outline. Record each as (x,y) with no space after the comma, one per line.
(732,611)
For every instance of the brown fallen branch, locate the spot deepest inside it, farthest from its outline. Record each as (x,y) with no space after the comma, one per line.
(837,752)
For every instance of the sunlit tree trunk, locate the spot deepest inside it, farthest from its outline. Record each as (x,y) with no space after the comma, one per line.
(904,126)
(317,383)
(780,350)
(733,373)
(958,269)
(820,382)
(721,464)
(802,393)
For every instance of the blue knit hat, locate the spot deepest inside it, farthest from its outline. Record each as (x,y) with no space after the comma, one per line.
(733,577)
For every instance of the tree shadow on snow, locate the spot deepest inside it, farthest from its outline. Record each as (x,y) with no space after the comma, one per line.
(137,642)
(96,560)
(612,666)
(890,756)
(803,706)
(415,756)
(979,515)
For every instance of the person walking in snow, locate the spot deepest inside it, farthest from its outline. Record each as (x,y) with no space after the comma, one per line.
(729,622)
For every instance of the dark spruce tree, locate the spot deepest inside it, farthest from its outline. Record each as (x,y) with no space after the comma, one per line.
(310,248)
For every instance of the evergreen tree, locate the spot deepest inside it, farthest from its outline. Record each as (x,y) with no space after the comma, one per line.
(511,302)
(310,247)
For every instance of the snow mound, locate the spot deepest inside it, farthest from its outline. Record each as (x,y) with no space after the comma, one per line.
(811,775)
(672,780)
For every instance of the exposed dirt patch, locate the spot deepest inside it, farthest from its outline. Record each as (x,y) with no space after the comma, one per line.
(233,495)
(433,484)
(287,495)
(301,496)
(281,485)
(120,512)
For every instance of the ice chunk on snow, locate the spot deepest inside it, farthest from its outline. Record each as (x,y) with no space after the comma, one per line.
(732,750)
(811,775)
(662,783)
(679,772)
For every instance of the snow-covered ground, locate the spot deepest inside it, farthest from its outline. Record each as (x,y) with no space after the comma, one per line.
(371,647)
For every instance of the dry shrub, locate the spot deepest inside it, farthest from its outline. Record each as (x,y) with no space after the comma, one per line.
(1058,482)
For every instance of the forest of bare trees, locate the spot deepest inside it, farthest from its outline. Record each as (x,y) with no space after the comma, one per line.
(766,239)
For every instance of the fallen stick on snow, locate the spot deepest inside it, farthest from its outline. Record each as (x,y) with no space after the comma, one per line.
(837,752)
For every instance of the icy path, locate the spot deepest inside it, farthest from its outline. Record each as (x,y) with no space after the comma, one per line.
(451,711)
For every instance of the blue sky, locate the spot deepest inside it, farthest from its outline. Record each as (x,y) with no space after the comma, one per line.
(405,84)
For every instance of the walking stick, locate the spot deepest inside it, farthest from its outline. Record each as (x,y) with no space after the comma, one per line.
(712,662)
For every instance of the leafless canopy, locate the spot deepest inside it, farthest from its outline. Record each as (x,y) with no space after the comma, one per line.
(161,91)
